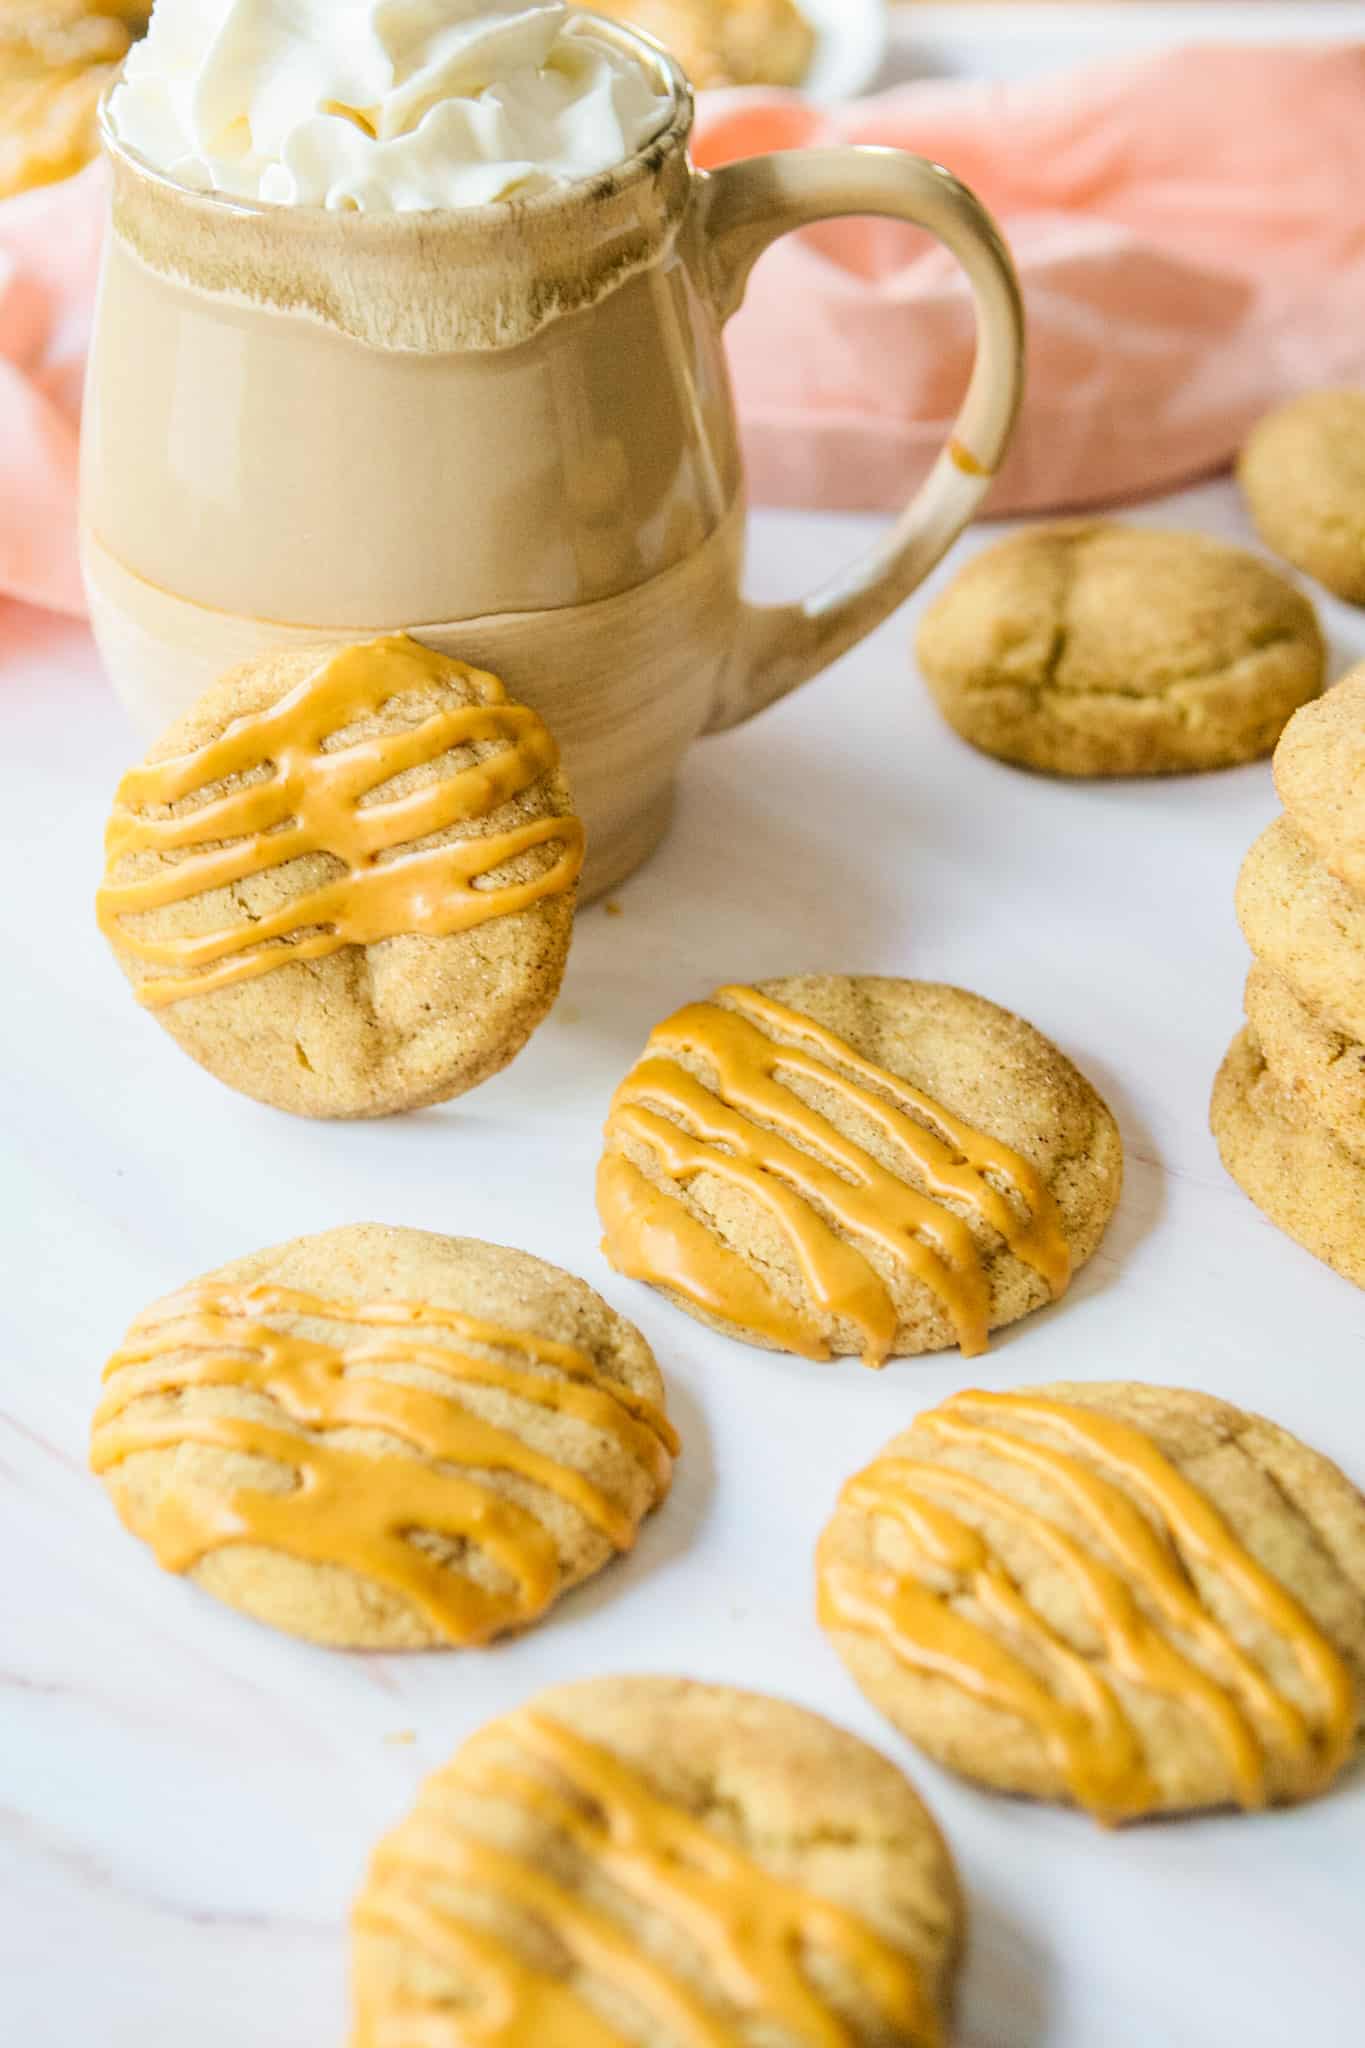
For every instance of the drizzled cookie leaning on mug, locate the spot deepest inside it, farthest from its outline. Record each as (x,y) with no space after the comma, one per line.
(345,881)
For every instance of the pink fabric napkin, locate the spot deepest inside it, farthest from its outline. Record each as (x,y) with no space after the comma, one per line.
(1190,230)
(49,254)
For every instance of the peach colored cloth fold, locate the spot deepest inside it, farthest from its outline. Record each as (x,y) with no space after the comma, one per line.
(1190,233)
(49,255)
(1190,230)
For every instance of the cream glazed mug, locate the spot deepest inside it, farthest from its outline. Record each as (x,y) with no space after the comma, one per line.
(507,430)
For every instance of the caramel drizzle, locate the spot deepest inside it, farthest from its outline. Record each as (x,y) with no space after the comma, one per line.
(350,1507)
(755,1132)
(313,802)
(1073,1708)
(752,1929)
(962,458)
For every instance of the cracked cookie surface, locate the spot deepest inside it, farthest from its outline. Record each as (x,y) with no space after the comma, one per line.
(1091,648)
(1303,475)
(1133,1599)
(855,1166)
(1292,1165)
(344,881)
(385,1439)
(654,1863)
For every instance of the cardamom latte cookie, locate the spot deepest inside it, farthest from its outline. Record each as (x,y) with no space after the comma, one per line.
(1320,775)
(633,1862)
(1126,1598)
(132,13)
(1091,648)
(1291,1163)
(1303,474)
(344,882)
(1305,925)
(724,42)
(381,1439)
(56,58)
(1316,1065)
(843,1165)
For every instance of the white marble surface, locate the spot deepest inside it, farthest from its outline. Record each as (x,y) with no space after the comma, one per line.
(188,1799)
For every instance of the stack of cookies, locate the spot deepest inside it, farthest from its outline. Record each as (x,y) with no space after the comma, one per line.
(1289,1103)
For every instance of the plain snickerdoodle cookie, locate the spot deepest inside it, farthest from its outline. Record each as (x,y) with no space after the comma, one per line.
(382,1439)
(1305,925)
(640,1860)
(1309,1057)
(1092,648)
(855,1165)
(1303,475)
(1127,1598)
(344,882)
(1320,775)
(1295,1169)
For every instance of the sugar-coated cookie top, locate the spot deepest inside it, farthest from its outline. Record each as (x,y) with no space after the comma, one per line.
(725,42)
(1303,472)
(56,58)
(1320,775)
(345,880)
(1132,1598)
(1089,647)
(1305,924)
(639,1860)
(384,1438)
(855,1165)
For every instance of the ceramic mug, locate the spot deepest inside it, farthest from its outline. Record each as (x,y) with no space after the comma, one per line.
(507,430)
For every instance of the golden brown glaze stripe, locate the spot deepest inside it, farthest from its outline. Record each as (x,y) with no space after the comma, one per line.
(651,1236)
(514,2002)
(755,1932)
(961,457)
(348,1507)
(753,1130)
(1079,1718)
(313,802)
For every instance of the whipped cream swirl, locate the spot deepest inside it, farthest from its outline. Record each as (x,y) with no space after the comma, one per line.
(381,106)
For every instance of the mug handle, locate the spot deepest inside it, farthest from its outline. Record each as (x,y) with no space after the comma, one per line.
(745,207)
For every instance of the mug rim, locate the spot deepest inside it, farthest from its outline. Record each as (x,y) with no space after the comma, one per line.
(641,165)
